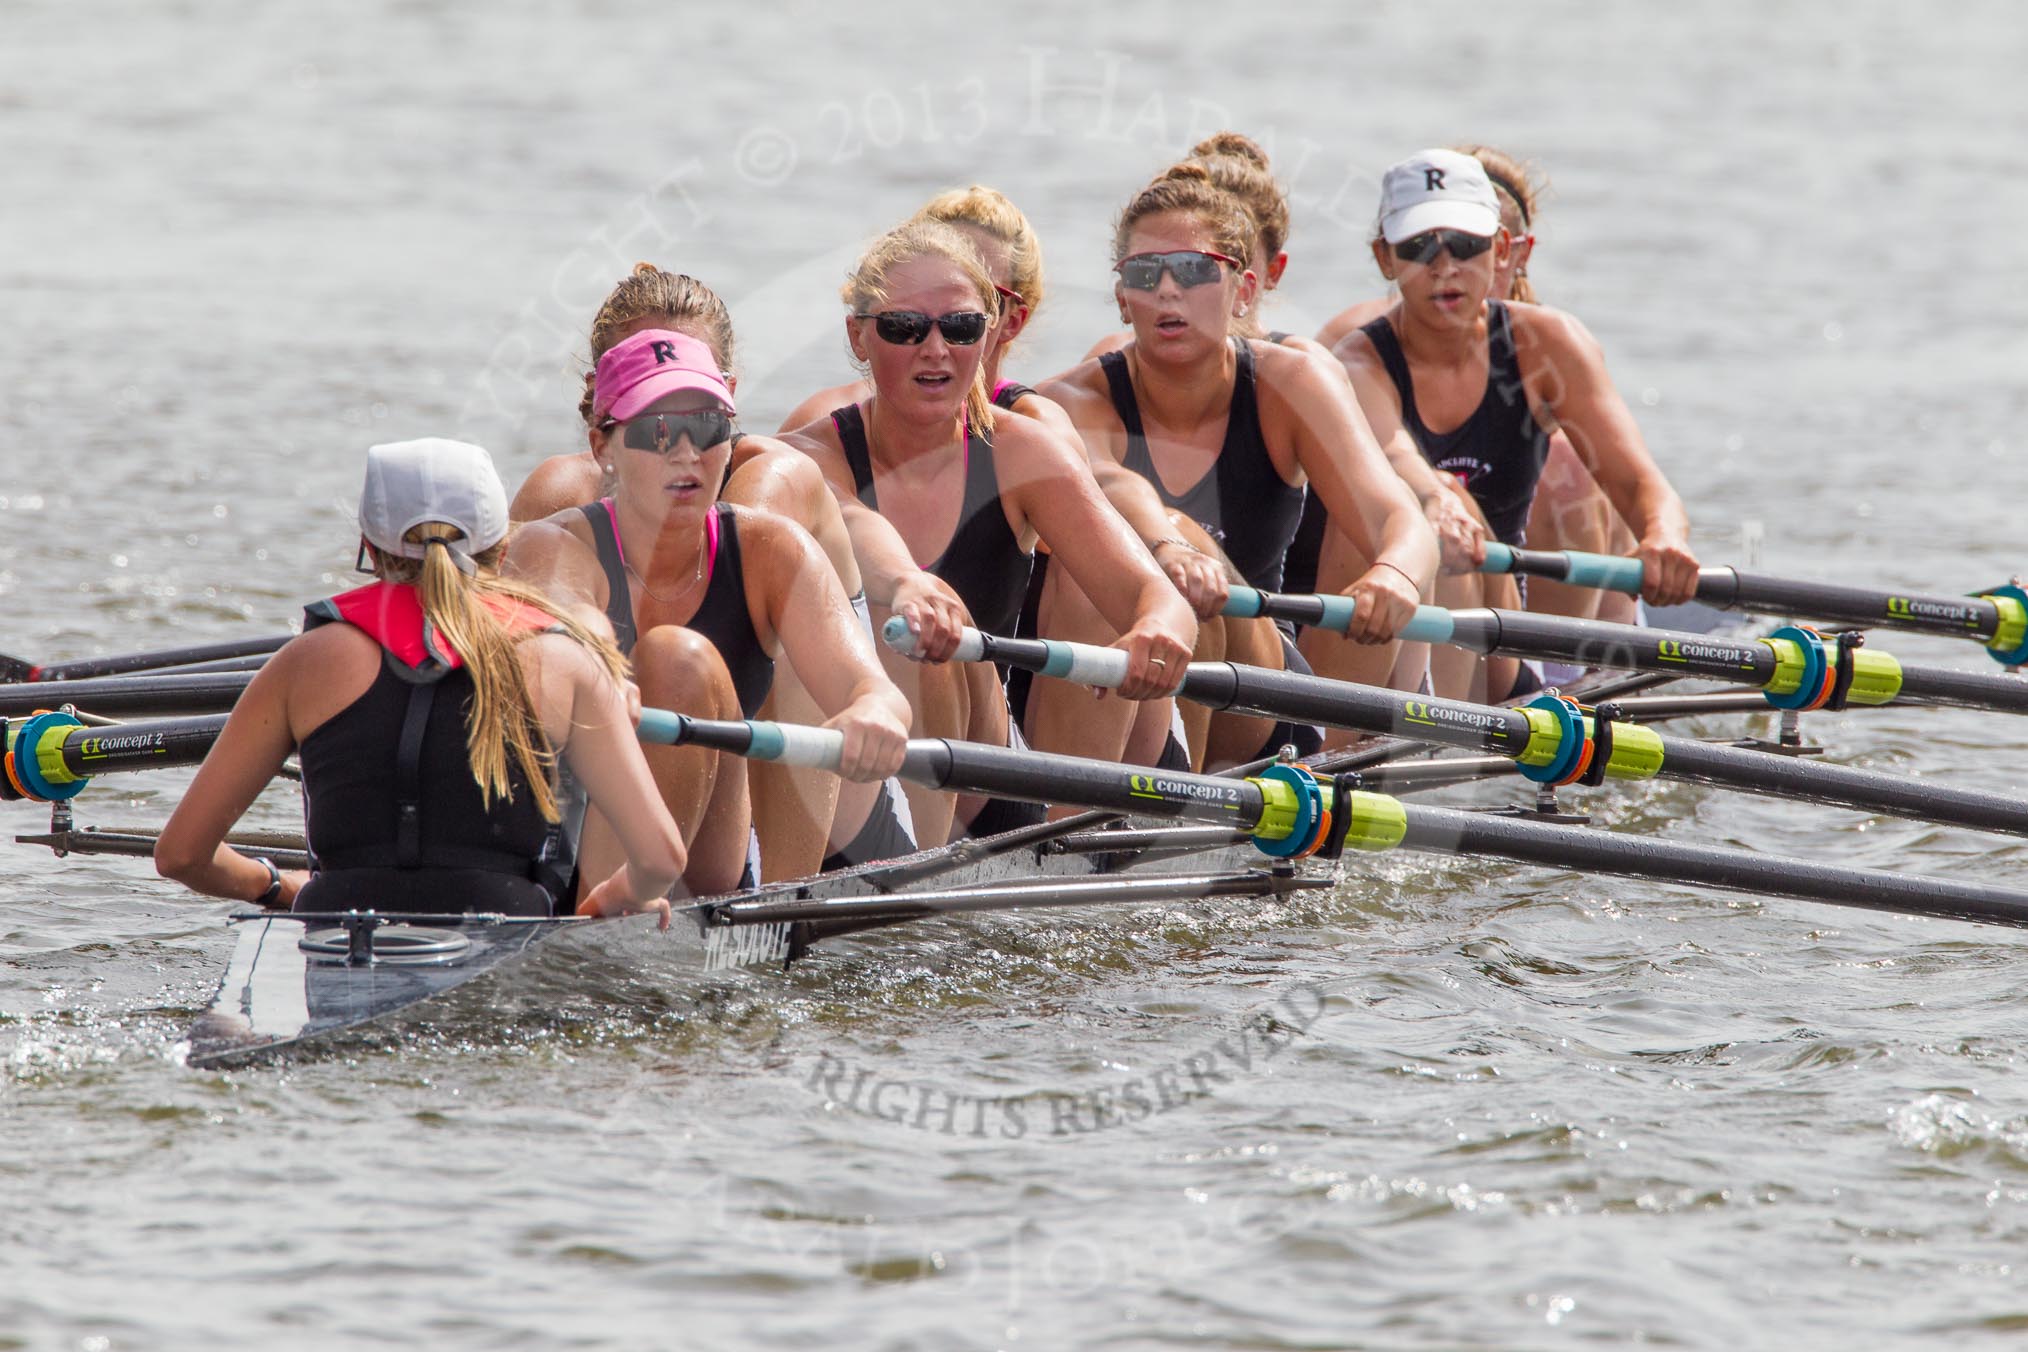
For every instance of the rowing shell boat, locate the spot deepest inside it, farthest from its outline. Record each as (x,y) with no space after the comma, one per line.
(301,976)
(296,977)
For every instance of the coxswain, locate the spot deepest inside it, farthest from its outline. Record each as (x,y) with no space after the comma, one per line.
(433,710)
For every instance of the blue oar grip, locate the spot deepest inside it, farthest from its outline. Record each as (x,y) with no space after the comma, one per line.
(1242,603)
(1430,624)
(661,727)
(1605,572)
(1499,558)
(795,744)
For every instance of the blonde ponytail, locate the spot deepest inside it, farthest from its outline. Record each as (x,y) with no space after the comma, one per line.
(502,726)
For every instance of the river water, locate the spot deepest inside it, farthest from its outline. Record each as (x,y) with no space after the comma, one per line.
(1506,1108)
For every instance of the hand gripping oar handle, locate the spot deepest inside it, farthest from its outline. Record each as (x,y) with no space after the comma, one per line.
(1997,618)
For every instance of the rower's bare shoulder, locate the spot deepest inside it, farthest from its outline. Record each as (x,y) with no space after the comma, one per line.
(772,545)
(1548,329)
(558,556)
(817,408)
(1355,352)
(780,460)
(1292,373)
(817,438)
(1035,442)
(1050,414)
(319,648)
(1081,392)
(559,482)
(316,674)
(760,528)
(1351,319)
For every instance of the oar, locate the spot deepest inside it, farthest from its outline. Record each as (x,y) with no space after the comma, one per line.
(1291,813)
(199,693)
(20,669)
(1796,668)
(1553,741)
(1997,618)
(52,756)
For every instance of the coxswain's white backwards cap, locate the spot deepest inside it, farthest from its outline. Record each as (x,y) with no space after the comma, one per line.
(432,479)
(1437,190)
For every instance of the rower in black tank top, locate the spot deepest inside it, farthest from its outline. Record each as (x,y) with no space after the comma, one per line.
(984,562)
(1499,450)
(1242,501)
(722,615)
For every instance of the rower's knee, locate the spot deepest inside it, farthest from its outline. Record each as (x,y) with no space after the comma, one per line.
(680,669)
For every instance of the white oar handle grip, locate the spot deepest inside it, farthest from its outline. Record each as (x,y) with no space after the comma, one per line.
(897,635)
(797,744)
(1080,663)
(1085,663)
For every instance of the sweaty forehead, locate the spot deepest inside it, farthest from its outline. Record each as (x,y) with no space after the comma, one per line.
(930,284)
(1170,230)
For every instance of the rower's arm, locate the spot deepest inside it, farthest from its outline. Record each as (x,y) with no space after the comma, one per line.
(248,755)
(1058,495)
(601,749)
(776,478)
(1558,352)
(887,571)
(1200,577)
(558,483)
(1461,535)
(813,623)
(545,555)
(1365,497)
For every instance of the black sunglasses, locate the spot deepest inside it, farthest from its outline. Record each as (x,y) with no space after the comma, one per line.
(661,431)
(908,328)
(1190,267)
(1425,247)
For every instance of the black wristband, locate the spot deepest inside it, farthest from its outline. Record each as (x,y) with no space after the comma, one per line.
(273,893)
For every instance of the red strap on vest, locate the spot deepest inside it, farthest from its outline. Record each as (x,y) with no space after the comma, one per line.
(391,614)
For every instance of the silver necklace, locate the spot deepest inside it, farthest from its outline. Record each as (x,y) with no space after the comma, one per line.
(680,592)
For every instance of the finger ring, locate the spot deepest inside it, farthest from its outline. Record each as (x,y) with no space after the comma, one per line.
(1158,661)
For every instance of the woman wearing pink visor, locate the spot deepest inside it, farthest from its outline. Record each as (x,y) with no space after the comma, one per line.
(704,595)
